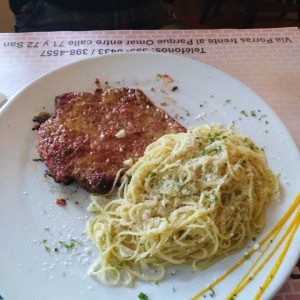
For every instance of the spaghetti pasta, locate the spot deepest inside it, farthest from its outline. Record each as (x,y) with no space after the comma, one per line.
(192,199)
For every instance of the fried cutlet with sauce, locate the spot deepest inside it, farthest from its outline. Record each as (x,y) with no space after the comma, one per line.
(92,136)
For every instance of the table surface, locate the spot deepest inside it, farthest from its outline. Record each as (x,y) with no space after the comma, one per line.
(266,60)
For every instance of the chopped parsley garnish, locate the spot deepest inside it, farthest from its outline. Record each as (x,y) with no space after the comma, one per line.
(128,178)
(68,246)
(143,296)
(212,151)
(211,138)
(153,174)
(212,293)
(46,246)
(213,197)
(244,113)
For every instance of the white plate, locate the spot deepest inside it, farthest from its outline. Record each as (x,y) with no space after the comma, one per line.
(30,221)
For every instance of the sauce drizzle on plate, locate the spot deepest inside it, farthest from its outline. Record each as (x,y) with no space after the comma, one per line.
(263,258)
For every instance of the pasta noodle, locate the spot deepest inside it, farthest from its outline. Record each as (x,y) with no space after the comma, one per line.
(192,199)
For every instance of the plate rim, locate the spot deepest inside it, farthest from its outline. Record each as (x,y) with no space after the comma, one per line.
(14,99)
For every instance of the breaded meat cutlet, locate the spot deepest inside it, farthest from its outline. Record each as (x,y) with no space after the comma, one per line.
(92,136)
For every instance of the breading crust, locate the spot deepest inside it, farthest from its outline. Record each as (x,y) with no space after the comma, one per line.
(91,135)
